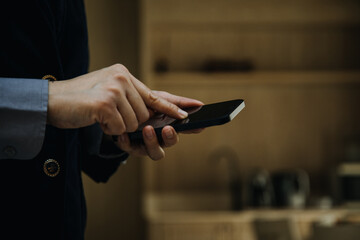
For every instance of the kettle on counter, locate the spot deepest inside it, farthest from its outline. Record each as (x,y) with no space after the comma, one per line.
(291,188)
(287,189)
(260,189)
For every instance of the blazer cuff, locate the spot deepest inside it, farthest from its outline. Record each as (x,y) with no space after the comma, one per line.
(101,169)
(96,143)
(101,156)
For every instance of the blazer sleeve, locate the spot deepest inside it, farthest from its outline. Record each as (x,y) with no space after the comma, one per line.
(23,110)
(101,158)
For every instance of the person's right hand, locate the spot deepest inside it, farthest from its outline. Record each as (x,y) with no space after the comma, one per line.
(110,96)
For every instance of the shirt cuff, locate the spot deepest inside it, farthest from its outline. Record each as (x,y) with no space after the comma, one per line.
(23,108)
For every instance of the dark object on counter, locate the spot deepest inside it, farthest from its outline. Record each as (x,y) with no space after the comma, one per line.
(352,148)
(350,189)
(217,65)
(228,154)
(260,189)
(236,196)
(291,188)
(348,177)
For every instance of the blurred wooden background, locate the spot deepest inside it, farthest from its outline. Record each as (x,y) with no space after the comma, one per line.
(301,95)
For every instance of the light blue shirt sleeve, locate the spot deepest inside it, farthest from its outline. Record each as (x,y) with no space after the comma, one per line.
(23,112)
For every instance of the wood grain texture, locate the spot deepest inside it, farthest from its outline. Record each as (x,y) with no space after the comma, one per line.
(291,120)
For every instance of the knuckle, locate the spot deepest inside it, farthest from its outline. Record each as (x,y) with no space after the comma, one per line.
(113,91)
(102,105)
(106,101)
(172,107)
(123,79)
(153,98)
(120,73)
(120,68)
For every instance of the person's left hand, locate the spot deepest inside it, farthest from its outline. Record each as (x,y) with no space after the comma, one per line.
(151,146)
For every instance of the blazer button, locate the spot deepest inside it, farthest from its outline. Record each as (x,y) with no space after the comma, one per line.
(9,151)
(51,167)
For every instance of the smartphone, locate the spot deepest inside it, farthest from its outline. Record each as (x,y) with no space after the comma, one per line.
(199,117)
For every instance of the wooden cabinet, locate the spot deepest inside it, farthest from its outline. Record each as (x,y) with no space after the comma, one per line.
(300,101)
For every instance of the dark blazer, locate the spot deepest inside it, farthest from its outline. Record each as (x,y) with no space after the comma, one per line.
(42,198)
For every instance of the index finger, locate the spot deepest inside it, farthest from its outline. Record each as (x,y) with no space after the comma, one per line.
(182,102)
(156,102)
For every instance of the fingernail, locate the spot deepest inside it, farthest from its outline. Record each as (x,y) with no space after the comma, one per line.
(182,113)
(169,133)
(149,134)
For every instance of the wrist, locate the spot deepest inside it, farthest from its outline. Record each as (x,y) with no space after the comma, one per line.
(54,100)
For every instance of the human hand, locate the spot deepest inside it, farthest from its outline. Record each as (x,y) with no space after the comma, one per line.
(110,96)
(151,146)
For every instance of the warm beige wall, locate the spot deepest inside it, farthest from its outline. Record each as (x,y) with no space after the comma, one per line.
(113,33)
(113,208)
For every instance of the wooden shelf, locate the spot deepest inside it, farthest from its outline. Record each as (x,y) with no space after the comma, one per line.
(273,78)
(245,216)
(250,12)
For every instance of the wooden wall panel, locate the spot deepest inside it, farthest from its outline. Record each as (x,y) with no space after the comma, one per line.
(283,126)
(315,48)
